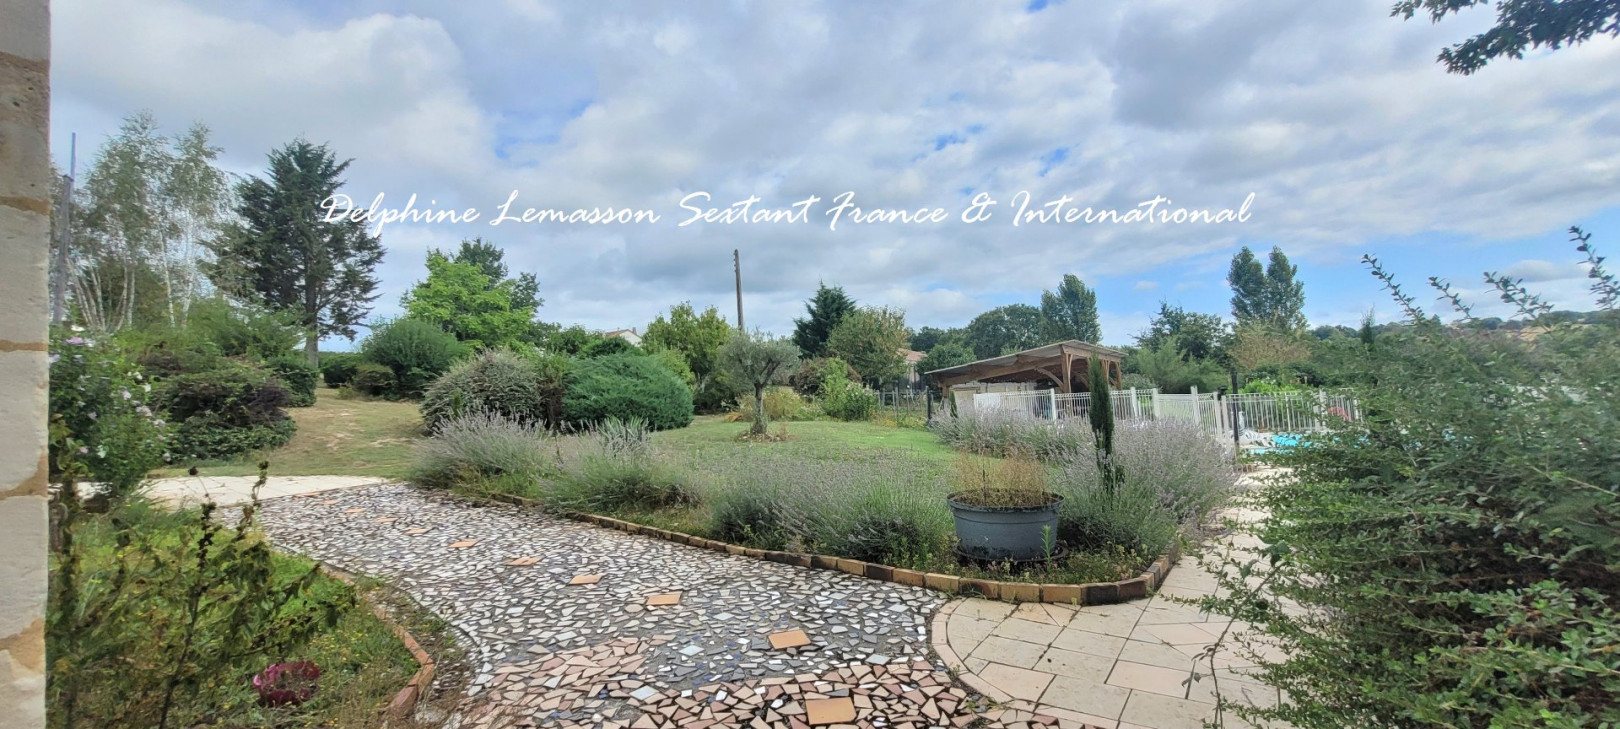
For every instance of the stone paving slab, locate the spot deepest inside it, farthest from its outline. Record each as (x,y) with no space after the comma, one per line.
(551,653)
(232,490)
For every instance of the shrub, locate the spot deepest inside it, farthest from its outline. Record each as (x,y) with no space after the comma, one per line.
(1136,380)
(224,412)
(298,376)
(781,403)
(806,380)
(1004,431)
(846,399)
(416,351)
(373,380)
(337,368)
(100,401)
(605,346)
(625,386)
(478,447)
(1448,560)
(494,381)
(622,473)
(246,331)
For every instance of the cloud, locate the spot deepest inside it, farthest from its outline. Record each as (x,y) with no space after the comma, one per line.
(1145,285)
(1334,115)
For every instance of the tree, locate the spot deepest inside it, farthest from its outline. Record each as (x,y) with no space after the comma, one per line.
(1266,296)
(1520,24)
(760,361)
(1173,372)
(927,338)
(698,338)
(826,309)
(459,298)
(1192,335)
(198,197)
(1286,296)
(490,259)
(870,340)
(1004,329)
(286,254)
(1255,346)
(948,354)
(1248,282)
(1071,313)
(123,225)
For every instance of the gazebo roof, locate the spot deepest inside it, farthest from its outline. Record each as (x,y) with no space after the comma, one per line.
(1052,361)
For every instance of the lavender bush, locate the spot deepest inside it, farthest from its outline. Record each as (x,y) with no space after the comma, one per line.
(1000,432)
(478,447)
(1172,476)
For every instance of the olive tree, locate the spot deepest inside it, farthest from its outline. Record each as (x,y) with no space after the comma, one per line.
(759,360)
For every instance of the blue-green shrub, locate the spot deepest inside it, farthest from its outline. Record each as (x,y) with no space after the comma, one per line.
(626,386)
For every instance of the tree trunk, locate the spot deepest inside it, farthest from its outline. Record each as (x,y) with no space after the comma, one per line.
(312,346)
(759,411)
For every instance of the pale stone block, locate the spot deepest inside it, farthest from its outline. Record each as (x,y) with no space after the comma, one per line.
(24,377)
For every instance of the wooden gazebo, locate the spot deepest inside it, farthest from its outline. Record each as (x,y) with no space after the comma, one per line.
(1066,364)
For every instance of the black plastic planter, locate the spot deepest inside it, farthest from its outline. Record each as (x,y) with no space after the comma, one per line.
(1006,533)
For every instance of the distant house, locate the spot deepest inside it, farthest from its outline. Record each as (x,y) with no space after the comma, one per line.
(912,357)
(628,335)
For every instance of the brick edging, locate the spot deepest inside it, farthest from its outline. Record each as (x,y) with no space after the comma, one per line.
(404,702)
(1090,593)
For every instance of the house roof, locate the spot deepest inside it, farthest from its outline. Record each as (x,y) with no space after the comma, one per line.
(912,356)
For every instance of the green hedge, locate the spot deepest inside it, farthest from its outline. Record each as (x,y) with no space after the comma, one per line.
(337,368)
(626,386)
(298,376)
(417,352)
(227,411)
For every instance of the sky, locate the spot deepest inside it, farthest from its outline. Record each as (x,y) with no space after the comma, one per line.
(1334,116)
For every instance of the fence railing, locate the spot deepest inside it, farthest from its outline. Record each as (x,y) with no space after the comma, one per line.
(1255,413)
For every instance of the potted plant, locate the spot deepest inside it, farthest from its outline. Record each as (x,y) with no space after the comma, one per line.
(1003,510)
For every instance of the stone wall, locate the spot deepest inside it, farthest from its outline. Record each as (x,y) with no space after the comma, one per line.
(25,193)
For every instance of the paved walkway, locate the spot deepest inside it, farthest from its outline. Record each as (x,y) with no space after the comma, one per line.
(573,625)
(230,490)
(1122,666)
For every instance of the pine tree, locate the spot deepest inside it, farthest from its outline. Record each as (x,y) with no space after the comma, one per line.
(285,254)
(826,309)
(1071,313)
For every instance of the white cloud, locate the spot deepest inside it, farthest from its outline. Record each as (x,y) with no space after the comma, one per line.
(1333,114)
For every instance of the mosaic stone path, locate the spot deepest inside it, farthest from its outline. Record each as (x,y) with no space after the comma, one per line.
(604,653)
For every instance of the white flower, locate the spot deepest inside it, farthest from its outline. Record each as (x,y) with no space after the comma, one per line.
(146,387)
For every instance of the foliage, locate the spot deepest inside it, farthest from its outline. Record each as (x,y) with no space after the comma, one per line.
(285,253)
(1448,560)
(947,354)
(1003,330)
(143,208)
(781,404)
(244,331)
(807,379)
(337,368)
(524,288)
(100,401)
(1268,297)
(759,361)
(1170,478)
(1101,416)
(1018,480)
(159,619)
(298,376)
(698,338)
(373,380)
(870,340)
(1004,432)
(1194,336)
(605,346)
(1071,313)
(845,399)
(469,449)
(417,352)
(1172,373)
(1136,381)
(237,408)
(824,312)
(926,338)
(1519,26)
(1257,346)
(460,299)
(621,472)
(493,381)
(571,341)
(625,386)
(675,362)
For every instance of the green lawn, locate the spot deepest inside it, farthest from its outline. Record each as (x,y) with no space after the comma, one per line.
(335,438)
(822,439)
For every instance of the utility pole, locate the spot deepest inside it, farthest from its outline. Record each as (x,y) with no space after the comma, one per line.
(736,266)
(64,236)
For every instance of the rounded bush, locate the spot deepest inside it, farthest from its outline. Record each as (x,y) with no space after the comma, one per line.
(373,379)
(298,376)
(626,386)
(417,352)
(337,368)
(497,382)
(227,411)
(808,378)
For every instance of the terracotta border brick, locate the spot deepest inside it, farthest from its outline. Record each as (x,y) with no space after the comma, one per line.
(943,583)
(908,577)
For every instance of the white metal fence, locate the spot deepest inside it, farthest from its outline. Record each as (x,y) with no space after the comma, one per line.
(1259,413)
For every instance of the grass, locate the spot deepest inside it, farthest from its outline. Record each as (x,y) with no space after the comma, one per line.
(336,437)
(826,440)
